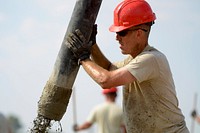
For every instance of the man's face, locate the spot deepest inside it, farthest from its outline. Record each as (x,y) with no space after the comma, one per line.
(130,41)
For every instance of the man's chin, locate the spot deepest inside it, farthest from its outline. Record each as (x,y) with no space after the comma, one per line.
(124,53)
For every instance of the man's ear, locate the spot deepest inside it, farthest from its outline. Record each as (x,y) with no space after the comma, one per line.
(139,33)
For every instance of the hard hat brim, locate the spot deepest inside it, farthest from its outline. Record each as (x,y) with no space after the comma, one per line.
(114,28)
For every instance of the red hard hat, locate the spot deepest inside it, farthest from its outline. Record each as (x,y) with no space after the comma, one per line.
(131,13)
(111,90)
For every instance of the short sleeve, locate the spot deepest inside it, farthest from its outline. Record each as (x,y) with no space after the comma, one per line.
(92,116)
(143,67)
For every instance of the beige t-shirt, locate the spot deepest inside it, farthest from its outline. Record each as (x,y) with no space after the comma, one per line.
(150,104)
(107,116)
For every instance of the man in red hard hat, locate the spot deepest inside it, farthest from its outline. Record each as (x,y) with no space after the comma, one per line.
(150,103)
(107,116)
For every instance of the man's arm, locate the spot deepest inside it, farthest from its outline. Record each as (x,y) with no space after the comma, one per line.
(105,78)
(85,125)
(98,69)
(99,58)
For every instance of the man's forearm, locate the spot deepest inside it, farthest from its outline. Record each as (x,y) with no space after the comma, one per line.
(96,72)
(86,125)
(99,58)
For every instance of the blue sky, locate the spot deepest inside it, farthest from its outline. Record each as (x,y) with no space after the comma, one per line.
(31,33)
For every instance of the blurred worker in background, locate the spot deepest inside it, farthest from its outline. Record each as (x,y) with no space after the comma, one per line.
(150,103)
(107,116)
(196,116)
(4,125)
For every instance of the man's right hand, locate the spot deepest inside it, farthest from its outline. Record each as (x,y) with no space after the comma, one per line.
(75,127)
(194,114)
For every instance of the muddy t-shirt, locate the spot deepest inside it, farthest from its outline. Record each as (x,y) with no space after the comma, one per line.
(150,104)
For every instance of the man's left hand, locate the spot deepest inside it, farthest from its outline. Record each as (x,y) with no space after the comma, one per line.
(76,42)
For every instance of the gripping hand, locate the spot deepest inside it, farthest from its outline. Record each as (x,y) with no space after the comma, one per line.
(194,113)
(77,43)
(75,127)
